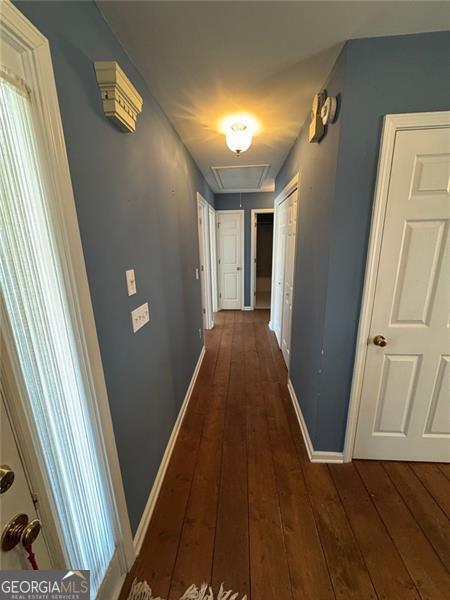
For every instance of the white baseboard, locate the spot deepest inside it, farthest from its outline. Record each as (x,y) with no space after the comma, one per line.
(248,308)
(314,455)
(154,493)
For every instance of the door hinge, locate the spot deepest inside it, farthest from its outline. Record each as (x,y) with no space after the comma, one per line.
(202,268)
(218,225)
(204,311)
(220,295)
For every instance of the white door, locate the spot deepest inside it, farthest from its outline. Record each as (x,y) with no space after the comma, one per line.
(289,234)
(204,255)
(17,500)
(405,403)
(213,255)
(279,270)
(229,229)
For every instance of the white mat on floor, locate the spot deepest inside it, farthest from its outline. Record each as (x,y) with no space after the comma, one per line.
(140,590)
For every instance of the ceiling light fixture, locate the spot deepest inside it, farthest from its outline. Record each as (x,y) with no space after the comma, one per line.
(239,138)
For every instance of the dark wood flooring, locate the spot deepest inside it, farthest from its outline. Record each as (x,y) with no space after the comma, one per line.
(242,504)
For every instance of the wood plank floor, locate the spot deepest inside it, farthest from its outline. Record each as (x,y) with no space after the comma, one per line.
(242,504)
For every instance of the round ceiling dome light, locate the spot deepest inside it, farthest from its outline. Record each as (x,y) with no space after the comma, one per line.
(239,138)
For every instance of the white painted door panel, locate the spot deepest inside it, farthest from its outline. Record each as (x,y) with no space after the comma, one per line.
(281,230)
(205,262)
(288,288)
(16,500)
(405,404)
(230,260)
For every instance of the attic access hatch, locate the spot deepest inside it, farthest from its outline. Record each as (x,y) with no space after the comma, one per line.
(245,178)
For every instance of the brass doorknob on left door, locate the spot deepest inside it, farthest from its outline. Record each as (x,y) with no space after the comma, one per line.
(380,340)
(30,533)
(20,530)
(6,478)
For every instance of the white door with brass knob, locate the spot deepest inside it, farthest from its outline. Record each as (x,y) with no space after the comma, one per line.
(230,258)
(16,502)
(405,399)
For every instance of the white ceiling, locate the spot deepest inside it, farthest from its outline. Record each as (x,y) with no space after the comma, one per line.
(203,59)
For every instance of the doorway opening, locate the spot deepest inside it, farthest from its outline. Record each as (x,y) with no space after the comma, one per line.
(207,256)
(262,257)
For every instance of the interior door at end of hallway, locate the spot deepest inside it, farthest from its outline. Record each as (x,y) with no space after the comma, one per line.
(230,260)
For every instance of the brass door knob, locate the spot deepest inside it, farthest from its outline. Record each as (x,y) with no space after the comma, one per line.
(19,530)
(6,478)
(30,533)
(380,340)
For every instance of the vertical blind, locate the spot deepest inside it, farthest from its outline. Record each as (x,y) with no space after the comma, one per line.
(35,297)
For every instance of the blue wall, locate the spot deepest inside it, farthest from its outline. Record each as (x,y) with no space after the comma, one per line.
(337,177)
(136,203)
(249,201)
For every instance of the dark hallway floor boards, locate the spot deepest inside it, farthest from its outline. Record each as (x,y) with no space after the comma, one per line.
(241,503)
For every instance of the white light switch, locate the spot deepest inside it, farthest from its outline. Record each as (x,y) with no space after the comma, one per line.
(139,317)
(131,282)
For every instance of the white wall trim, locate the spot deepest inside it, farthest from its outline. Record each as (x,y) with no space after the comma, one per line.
(241,211)
(288,189)
(392,124)
(253,242)
(248,308)
(156,488)
(317,456)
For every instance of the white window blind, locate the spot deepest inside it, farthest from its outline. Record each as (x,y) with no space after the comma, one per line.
(36,302)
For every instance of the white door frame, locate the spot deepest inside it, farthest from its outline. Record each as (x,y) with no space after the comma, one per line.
(391,125)
(205,261)
(37,64)
(213,256)
(241,213)
(253,254)
(287,191)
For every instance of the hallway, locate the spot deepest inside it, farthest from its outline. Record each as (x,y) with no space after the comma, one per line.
(242,504)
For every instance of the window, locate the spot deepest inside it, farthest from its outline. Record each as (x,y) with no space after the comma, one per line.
(38,308)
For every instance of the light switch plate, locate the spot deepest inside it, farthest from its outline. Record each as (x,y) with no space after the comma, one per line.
(131,282)
(196,274)
(140,316)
